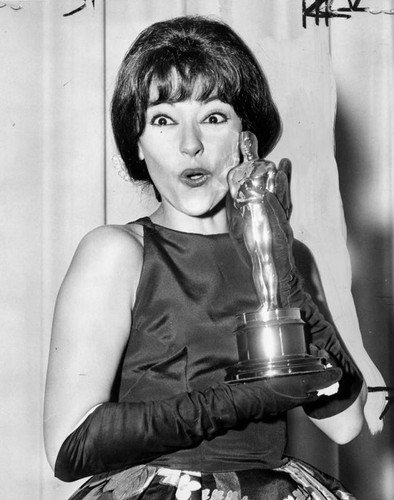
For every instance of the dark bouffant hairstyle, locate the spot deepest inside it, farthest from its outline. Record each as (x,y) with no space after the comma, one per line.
(200,51)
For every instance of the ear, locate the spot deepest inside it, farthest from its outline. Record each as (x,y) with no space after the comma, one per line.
(141,155)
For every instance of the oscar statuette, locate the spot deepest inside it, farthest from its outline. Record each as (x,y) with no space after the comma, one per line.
(271,341)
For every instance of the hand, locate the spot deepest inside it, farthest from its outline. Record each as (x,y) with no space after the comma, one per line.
(305,385)
(273,396)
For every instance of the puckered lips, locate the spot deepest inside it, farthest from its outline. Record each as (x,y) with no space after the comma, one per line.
(195,177)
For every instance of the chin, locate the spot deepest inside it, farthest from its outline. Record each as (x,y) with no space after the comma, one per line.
(202,208)
(196,210)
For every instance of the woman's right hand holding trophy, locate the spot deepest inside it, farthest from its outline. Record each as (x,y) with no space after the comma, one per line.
(272,340)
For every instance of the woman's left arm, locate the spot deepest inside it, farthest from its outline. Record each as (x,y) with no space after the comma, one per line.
(341,415)
(346,425)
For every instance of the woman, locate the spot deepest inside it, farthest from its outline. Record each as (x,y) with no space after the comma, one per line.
(142,332)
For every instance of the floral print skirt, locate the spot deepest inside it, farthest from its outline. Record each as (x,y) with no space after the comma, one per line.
(293,481)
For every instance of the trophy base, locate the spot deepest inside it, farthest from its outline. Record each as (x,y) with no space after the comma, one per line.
(272,344)
(245,371)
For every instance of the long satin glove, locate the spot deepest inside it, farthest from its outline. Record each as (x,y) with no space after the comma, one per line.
(117,435)
(291,292)
(323,337)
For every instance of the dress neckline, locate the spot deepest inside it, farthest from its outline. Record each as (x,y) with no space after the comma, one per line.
(147,221)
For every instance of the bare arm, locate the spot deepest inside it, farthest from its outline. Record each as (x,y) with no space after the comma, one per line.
(344,426)
(90,329)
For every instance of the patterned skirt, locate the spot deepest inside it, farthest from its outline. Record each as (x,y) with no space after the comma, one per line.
(293,481)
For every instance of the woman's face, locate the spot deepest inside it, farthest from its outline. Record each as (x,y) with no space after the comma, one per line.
(189,147)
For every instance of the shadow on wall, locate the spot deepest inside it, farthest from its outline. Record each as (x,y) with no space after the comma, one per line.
(366,464)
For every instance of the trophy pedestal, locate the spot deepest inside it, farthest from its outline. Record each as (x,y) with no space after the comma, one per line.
(272,344)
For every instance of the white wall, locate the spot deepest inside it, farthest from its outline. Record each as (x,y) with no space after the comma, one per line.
(363,59)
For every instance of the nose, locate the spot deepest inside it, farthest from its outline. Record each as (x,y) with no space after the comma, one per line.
(191,140)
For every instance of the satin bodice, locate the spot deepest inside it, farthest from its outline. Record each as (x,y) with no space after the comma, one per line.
(190,290)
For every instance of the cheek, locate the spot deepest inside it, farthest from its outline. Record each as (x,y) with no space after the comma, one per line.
(152,144)
(160,169)
(155,154)
(228,154)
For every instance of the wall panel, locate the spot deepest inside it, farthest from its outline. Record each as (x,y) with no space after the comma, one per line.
(364,72)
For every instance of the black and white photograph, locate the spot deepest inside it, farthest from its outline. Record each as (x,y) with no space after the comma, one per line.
(197,235)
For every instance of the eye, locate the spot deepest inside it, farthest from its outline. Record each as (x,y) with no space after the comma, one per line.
(216,118)
(162,120)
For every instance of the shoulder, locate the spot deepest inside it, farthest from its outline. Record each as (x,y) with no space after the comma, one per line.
(107,244)
(109,256)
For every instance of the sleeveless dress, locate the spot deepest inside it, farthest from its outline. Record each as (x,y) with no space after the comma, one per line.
(190,290)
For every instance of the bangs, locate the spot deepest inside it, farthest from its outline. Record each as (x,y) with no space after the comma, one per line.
(174,79)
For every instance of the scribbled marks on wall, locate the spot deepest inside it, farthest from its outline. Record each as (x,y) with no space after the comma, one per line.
(12,5)
(325,10)
(78,9)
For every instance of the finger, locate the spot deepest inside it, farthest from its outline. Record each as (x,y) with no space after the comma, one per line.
(303,384)
(281,186)
(285,166)
(282,192)
(274,209)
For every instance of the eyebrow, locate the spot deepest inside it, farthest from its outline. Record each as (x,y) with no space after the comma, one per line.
(171,103)
(212,98)
(160,101)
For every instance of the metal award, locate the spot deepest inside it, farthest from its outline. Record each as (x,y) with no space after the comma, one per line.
(271,341)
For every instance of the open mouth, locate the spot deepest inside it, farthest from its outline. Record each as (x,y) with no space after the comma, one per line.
(195,177)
